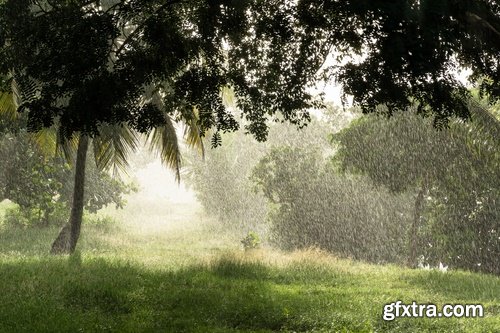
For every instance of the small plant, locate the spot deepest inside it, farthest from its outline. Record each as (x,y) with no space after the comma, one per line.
(250,241)
(28,217)
(15,218)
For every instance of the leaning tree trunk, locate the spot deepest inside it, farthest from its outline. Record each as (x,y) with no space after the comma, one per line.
(417,214)
(65,243)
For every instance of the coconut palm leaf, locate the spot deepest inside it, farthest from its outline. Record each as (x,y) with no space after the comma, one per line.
(9,101)
(113,145)
(164,141)
(47,141)
(192,133)
(8,108)
(67,147)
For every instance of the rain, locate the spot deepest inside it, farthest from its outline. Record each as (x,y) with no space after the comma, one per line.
(216,166)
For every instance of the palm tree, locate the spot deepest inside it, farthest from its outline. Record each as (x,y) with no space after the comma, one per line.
(111,148)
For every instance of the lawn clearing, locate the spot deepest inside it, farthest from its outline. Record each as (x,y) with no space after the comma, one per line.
(186,275)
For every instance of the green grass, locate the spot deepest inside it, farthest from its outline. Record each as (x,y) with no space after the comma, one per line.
(167,269)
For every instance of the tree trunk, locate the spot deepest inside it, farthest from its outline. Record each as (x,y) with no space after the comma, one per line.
(419,203)
(65,243)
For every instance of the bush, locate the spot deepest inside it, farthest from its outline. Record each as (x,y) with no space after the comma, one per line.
(314,206)
(221,179)
(455,174)
(15,218)
(251,241)
(25,217)
(42,186)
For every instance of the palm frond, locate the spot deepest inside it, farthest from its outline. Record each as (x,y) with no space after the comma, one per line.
(16,93)
(8,106)
(67,146)
(192,133)
(113,145)
(9,101)
(46,140)
(163,140)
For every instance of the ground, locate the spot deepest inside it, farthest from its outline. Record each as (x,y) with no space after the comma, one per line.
(166,267)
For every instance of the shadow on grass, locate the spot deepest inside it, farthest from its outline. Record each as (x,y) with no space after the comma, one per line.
(68,295)
(61,294)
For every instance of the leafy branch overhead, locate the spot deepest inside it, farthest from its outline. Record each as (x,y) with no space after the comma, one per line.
(81,63)
(84,63)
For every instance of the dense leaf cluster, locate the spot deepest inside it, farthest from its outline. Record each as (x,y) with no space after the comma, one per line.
(312,205)
(409,50)
(81,63)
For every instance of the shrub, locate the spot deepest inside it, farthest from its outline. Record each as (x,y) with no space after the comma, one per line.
(42,186)
(314,206)
(15,218)
(26,217)
(250,241)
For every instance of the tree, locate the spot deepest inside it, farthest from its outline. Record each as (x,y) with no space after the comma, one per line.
(132,49)
(111,148)
(453,174)
(403,153)
(146,64)
(40,181)
(464,220)
(188,50)
(407,50)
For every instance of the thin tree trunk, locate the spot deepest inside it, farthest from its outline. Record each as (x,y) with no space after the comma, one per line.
(65,243)
(417,214)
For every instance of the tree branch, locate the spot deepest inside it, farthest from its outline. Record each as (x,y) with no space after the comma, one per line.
(139,28)
(474,18)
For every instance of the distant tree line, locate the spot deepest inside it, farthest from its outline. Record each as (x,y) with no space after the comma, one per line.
(384,190)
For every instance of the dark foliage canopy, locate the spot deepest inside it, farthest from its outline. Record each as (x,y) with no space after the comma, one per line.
(410,50)
(81,63)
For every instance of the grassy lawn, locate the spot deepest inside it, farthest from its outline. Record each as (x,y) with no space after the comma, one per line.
(166,269)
